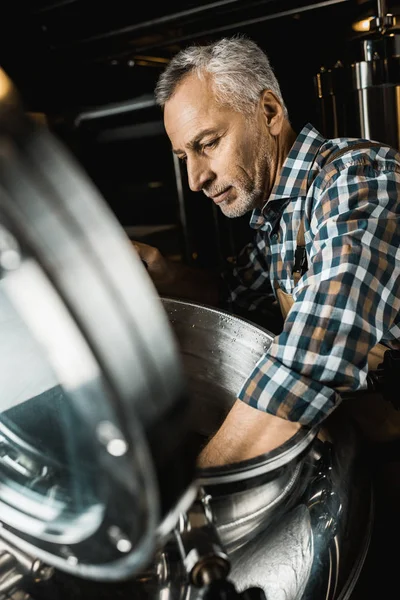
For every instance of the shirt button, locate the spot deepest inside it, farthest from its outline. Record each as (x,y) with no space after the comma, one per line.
(274,237)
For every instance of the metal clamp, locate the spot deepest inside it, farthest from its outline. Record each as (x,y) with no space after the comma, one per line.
(202,553)
(16,565)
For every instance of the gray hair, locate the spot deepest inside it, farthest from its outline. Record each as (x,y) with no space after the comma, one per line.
(241,71)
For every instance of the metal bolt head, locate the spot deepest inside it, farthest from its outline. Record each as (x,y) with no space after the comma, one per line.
(111,437)
(122,543)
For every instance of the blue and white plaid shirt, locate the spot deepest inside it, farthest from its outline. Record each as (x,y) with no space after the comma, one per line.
(349,298)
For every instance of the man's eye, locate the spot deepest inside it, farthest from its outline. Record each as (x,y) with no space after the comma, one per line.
(182,158)
(210,144)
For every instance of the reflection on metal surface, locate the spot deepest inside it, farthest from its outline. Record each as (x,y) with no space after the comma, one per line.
(279,560)
(14,566)
(10,253)
(304,554)
(51,325)
(218,351)
(109,435)
(120,540)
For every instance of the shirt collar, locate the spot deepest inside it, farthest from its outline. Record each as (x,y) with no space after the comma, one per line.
(293,178)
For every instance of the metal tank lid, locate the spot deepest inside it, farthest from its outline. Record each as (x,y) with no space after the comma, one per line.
(93,407)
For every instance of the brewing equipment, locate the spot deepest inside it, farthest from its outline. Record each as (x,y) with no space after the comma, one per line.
(294,523)
(360,96)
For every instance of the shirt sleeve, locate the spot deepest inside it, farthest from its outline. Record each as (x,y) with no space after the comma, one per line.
(246,288)
(344,304)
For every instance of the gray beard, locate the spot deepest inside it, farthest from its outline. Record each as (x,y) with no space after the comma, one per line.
(240,207)
(250,198)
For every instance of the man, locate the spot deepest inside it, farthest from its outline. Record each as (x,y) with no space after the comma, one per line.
(226,119)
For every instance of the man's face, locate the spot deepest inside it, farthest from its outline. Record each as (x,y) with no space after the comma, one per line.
(227,155)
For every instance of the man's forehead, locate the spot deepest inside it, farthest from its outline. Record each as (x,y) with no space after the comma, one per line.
(192,95)
(194,87)
(191,108)
(185,127)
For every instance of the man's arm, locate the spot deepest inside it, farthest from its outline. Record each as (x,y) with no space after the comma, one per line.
(246,433)
(345,303)
(349,297)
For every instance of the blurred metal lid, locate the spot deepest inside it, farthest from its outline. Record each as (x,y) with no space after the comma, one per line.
(94,414)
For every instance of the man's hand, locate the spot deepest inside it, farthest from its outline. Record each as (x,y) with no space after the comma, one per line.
(162,271)
(245,433)
(176,279)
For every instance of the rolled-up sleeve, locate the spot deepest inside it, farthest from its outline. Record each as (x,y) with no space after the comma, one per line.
(348,300)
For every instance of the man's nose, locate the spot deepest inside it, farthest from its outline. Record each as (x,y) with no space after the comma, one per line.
(199,173)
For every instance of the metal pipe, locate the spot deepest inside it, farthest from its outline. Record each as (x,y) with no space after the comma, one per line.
(286,13)
(10,582)
(54,6)
(190,12)
(152,22)
(183,217)
(6,559)
(381,9)
(145,101)
(130,132)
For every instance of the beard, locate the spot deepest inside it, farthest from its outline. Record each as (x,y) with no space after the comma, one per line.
(250,192)
(246,201)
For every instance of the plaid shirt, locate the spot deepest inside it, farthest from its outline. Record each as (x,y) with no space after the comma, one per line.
(349,298)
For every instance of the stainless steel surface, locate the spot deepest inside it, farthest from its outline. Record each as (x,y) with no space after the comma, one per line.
(240,515)
(14,566)
(381,4)
(279,561)
(318,547)
(315,548)
(362,98)
(199,543)
(218,351)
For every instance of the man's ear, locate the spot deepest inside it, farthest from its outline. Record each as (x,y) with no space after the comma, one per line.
(272,112)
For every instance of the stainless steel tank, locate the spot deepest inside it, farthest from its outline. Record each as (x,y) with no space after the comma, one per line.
(361,97)
(294,523)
